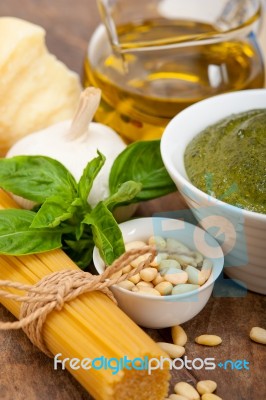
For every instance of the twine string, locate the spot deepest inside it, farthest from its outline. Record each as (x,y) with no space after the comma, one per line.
(58,288)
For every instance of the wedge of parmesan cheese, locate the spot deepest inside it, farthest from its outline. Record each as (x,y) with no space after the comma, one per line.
(36,89)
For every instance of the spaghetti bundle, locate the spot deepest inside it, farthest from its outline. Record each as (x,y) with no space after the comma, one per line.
(89,327)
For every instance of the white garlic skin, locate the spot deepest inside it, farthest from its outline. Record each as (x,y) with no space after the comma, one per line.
(73,154)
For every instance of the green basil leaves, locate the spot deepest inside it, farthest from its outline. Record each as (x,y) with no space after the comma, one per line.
(142,162)
(16,236)
(62,216)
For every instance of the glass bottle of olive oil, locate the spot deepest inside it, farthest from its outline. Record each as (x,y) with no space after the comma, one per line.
(152,79)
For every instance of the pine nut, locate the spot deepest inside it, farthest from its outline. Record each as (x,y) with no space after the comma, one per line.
(186,390)
(158,259)
(210,396)
(207,264)
(148,274)
(144,284)
(164,264)
(126,285)
(116,275)
(206,269)
(184,260)
(158,241)
(148,291)
(126,269)
(205,274)
(165,288)
(208,340)
(175,269)
(135,263)
(198,258)
(177,397)
(174,246)
(184,288)
(179,336)
(206,386)
(137,244)
(135,279)
(172,350)
(158,279)
(258,335)
(175,276)
(194,276)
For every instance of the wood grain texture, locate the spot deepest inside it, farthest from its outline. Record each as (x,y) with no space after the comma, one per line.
(25,373)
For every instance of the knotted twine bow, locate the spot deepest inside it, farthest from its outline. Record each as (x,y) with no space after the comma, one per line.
(53,291)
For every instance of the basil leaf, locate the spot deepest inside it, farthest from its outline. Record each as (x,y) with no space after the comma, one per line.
(126,192)
(52,212)
(16,237)
(142,162)
(36,178)
(89,174)
(106,233)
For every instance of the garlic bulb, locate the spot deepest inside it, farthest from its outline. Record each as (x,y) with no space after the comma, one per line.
(74,144)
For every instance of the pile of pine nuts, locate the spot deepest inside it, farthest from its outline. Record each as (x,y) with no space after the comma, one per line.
(175,270)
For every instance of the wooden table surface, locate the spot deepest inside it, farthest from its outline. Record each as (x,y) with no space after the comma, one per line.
(25,373)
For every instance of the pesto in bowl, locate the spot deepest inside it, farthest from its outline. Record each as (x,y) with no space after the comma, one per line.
(228,160)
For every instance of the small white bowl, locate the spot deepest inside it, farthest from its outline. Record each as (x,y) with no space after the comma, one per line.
(166,311)
(242,233)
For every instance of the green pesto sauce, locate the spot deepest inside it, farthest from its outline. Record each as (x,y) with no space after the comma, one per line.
(228,160)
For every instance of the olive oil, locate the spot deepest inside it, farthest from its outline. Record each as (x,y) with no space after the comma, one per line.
(152,79)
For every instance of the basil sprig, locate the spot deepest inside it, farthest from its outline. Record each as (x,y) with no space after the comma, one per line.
(62,216)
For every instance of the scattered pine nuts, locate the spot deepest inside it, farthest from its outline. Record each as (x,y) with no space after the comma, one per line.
(177,397)
(175,270)
(206,386)
(179,336)
(208,340)
(210,396)
(172,350)
(185,389)
(258,335)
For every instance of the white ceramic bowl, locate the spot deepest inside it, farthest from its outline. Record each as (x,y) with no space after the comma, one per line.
(241,233)
(166,311)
